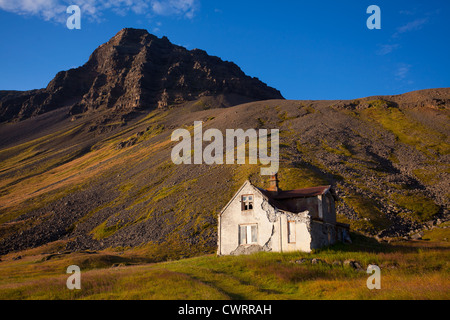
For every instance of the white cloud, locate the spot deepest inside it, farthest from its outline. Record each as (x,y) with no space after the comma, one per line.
(177,7)
(387,48)
(402,71)
(414,25)
(56,9)
(411,26)
(47,9)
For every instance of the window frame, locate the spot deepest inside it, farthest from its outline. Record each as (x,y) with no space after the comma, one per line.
(248,227)
(250,203)
(291,231)
(328,199)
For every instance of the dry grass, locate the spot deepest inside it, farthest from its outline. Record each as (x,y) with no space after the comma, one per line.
(413,270)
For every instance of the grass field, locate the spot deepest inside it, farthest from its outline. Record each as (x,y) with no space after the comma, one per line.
(409,270)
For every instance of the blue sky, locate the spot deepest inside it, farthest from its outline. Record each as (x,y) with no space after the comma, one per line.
(305,49)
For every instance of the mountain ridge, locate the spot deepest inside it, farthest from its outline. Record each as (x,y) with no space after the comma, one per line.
(136,70)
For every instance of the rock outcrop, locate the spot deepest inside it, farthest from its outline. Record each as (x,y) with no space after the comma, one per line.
(136,70)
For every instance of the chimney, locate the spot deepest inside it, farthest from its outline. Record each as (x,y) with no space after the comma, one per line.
(273,184)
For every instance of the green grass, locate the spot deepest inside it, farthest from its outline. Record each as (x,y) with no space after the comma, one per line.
(439,234)
(103,230)
(379,103)
(261,122)
(165,192)
(341,149)
(283,117)
(204,105)
(408,130)
(371,219)
(430,176)
(422,208)
(417,270)
(299,177)
(308,109)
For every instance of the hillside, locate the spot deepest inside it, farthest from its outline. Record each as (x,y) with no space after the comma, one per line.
(86,161)
(388,164)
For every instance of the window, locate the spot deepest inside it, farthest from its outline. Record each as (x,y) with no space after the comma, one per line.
(329,204)
(248,234)
(291,231)
(247,202)
(320,207)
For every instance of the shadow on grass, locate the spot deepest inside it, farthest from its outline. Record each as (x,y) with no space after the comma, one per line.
(362,243)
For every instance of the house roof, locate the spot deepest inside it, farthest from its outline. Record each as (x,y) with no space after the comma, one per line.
(283,199)
(302,193)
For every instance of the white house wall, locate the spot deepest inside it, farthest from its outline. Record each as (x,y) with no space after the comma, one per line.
(233,216)
(271,226)
(302,233)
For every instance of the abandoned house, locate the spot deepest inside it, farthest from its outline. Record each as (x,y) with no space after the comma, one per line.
(256,219)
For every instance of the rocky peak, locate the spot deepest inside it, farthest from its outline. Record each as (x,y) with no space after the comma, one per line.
(136,70)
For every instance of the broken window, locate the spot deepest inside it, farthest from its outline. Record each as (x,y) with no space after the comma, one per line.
(242,234)
(320,209)
(291,231)
(248,234)
(247,202)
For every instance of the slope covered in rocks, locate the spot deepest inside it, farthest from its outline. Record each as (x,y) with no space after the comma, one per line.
(388,164)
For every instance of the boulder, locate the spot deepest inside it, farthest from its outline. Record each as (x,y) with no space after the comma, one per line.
(353,264)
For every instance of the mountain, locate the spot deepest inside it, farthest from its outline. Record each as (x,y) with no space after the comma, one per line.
(137,71)
(82,166)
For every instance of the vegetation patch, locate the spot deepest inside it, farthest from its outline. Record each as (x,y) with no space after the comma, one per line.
(379,104)
(165,192)
(416,270)
(438,234)
(429,176)
(371,218)
(300,177)
(307,109)
(422,208)
(341,149)
(409,131)
(283,117)
(103,230)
